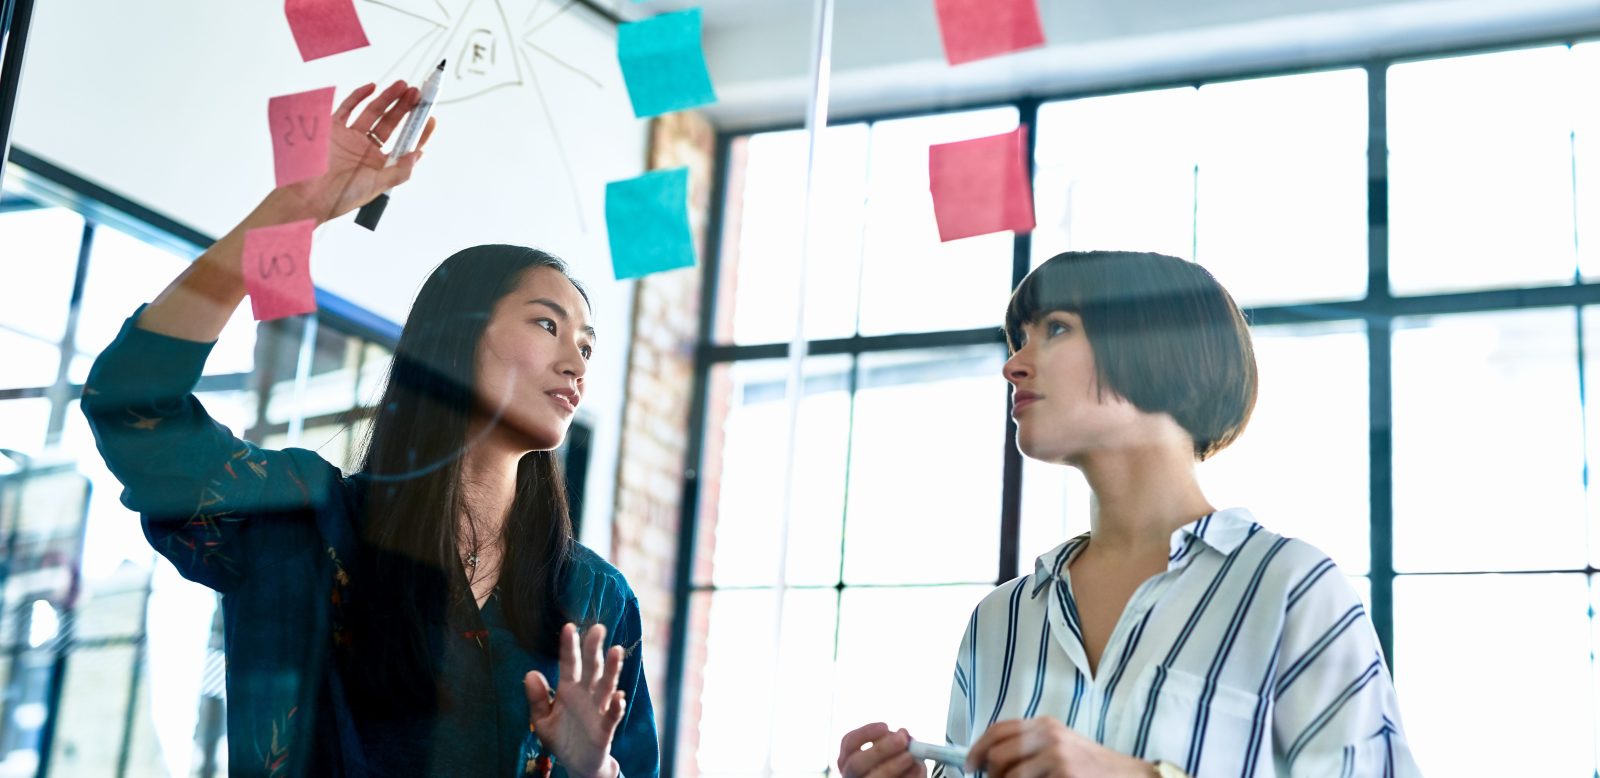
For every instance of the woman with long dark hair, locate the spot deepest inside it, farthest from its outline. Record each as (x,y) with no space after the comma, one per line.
(1172,638)
(432,613)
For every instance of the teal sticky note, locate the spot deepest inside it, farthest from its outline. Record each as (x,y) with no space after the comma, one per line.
(647,219)
(663,64)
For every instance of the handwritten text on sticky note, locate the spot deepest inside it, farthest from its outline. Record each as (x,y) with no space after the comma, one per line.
(663,64)
(647,219)
(277,270)
(977,29)
(300,125)
(981,186)
(324,27)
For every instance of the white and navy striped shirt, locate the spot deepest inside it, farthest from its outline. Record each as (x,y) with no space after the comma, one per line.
(1250,656)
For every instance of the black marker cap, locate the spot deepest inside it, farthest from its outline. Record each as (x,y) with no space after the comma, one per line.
(370,213)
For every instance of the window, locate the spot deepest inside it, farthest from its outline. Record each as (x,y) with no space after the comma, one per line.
(86,595)
(1281,187)
(910,282)
(1271,201)
(1116,171)
(1464,219)
(1541,637)
(1301,466)
(1490,400)
(773,193)
(1423,418)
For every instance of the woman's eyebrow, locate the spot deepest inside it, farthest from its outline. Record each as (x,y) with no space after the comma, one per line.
(561,313)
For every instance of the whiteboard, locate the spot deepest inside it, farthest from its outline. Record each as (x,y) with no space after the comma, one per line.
(165,103)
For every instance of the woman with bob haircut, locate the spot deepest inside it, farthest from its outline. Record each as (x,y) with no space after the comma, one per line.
(411,618)
(1173,638)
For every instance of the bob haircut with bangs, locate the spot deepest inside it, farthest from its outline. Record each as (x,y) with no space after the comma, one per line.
(1166,336)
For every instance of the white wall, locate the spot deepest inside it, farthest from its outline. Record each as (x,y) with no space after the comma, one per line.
(165,104)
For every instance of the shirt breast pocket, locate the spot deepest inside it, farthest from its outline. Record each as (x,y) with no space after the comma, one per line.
(1176,715)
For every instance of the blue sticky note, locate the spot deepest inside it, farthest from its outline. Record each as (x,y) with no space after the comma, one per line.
(663,64)
(647,219)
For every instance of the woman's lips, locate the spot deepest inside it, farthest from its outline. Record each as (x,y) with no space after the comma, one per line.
(564,399)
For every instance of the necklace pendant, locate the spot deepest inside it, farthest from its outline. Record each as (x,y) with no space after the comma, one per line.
(472,560)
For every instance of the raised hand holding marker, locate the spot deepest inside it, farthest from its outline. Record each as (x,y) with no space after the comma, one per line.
(410,132)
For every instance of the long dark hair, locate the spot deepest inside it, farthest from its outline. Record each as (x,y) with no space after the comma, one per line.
(405,583)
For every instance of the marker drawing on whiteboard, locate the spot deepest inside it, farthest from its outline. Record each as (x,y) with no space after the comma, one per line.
(410,133)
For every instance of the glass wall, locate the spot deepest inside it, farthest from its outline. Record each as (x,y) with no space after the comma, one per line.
(1415,244)
(110,662)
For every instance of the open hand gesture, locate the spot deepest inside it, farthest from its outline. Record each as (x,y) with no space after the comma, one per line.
(578,721)
(356,159)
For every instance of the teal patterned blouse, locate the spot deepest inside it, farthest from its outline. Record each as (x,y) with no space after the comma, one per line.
(274,532)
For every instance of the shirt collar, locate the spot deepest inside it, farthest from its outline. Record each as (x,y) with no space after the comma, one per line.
(1048,566)
(1224,531)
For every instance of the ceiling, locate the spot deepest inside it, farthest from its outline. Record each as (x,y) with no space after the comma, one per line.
(887,55)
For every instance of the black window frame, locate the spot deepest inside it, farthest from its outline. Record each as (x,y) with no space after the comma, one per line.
(47,185)
(1378,309)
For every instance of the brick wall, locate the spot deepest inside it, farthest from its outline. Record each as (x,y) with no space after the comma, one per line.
(655,417)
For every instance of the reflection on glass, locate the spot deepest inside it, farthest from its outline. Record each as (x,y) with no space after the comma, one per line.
(155,745)
(178,635)
(113,536)
(1116,173)
(1480,171)
(374,373)
(337,361)
(332,442)
(1586,156)
(46,241)
(749,492)
(234,410)
(763,236)
(112,606)
(1301,466)
(1500,662)
(1591,401)
(747,702)
(327,393)
(23,423)
(98,685)
(1281,194)
(897,653)
(910,281)
(1594,652)
(29,361)
(925,466)
(125,272)
(1488,442)
(1055,508)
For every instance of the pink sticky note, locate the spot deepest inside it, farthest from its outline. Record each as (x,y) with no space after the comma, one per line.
(981,185)
(300,125)
(324,27)
(976,29)
(277,270)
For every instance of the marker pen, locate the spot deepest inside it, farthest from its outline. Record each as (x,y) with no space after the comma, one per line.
(954,756)
(410,133)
